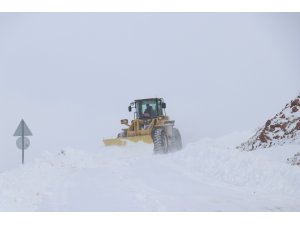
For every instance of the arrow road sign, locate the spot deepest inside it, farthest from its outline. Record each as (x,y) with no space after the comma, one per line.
(22,130)
(23,142)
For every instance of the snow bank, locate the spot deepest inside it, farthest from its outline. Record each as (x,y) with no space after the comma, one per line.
(208,175)
(264,170)
(25,188)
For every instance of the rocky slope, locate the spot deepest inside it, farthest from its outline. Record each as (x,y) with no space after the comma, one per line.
(283,128)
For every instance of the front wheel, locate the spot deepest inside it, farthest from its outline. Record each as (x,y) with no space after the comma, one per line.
(160,141)
(121,135)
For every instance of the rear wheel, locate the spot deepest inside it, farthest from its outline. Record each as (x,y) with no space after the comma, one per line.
(176,140)
(160,141)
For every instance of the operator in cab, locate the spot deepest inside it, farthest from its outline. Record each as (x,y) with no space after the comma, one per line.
(149,112)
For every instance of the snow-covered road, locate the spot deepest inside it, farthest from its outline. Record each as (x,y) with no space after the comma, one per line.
(209,175)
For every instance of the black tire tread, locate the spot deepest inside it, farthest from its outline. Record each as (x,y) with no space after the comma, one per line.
(159,145)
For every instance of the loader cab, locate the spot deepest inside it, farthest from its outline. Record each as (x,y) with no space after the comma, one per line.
(148,108)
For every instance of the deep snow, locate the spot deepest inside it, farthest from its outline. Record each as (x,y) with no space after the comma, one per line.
(208,175)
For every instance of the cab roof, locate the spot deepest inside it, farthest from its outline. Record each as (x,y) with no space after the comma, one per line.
(148,99)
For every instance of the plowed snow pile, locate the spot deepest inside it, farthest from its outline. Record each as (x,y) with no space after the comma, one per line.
(209,175)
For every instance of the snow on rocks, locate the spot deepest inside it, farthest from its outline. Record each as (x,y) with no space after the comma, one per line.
(295,160)
(283,128)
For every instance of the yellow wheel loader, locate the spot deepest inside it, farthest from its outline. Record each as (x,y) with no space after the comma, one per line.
(150,125)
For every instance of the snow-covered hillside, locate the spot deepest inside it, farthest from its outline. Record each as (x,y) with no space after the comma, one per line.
(208,175)
(283,128)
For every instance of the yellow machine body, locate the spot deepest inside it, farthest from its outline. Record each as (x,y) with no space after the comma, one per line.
(138,131)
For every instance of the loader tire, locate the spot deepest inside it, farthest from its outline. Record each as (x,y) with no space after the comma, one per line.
(176,140)
(121,135)
(160,141)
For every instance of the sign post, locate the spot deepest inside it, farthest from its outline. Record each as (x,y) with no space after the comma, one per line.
(23,142)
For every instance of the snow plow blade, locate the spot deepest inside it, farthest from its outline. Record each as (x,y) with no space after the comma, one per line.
(123,141)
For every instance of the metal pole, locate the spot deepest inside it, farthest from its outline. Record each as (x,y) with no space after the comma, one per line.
(22,142)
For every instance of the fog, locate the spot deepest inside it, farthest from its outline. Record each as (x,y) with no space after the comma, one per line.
(71,76)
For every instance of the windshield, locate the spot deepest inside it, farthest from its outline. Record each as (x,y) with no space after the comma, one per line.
(149,108)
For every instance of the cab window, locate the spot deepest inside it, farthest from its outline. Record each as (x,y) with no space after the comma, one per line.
(149,108)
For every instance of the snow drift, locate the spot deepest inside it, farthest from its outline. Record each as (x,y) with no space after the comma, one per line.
(208,175)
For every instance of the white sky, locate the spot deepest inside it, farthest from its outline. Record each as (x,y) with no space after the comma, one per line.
(71,76)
